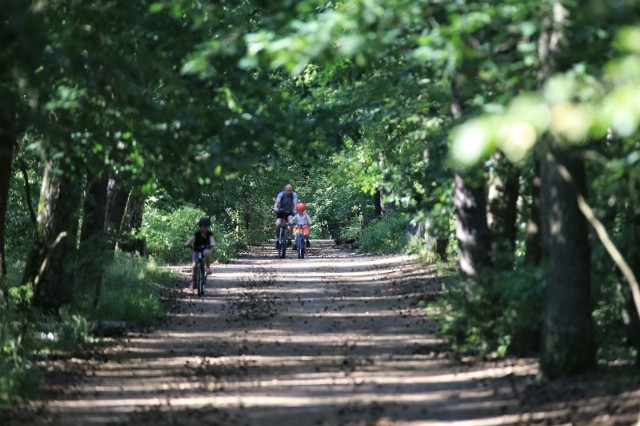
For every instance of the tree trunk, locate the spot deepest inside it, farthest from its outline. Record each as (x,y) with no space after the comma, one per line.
(130,239)
(472,232)
(7,142)
(48,265)
(377,202)
(533,247)
(470,203)
(568,345)
(93,243)
(568,342)
(502,211)
(116,204)
(94,209)
(633,329)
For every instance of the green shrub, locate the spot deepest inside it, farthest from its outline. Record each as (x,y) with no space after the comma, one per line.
(501,314)
(18,377)
(131,291)
(166,232)
(383,236)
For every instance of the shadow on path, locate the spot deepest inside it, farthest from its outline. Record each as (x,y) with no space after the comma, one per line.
(335,339)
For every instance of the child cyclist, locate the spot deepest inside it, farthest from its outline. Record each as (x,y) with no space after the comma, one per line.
(302,221)
(202,238)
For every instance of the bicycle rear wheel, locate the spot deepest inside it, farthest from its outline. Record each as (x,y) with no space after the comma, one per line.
(201,279)
(300,247)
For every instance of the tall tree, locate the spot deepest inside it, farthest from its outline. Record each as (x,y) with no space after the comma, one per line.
(470,201)
(502,210)
(568,340)
(21,44)
(7,142)
(48,265)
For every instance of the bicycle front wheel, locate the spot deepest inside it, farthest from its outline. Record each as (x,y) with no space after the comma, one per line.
(201,279)
(283,242)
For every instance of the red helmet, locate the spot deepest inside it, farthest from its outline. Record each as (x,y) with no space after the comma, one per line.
(301,207)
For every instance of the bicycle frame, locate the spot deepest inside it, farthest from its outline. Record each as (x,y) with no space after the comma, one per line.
(201,277)
(200,274)
(283,234)
(300,243)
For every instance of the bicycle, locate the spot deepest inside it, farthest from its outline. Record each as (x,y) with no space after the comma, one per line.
(201,276)
(301,243)
(283,238)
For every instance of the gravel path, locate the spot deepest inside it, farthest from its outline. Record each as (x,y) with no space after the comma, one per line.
(334,339)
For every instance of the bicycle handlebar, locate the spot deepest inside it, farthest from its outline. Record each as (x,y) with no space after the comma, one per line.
(198,248)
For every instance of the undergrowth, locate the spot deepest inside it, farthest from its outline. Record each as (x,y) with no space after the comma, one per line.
(501,314)
(132,291)
(383,236)
(165,233)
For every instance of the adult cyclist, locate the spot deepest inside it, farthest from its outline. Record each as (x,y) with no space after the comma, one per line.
(284,206)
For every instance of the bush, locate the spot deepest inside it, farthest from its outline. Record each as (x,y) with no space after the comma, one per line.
(383,236)
(501,314)
(131,291)
(166,232)
(18,378)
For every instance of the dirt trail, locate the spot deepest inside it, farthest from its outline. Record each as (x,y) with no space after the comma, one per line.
(334,339)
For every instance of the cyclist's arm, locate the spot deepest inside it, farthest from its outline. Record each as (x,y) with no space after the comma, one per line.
(190,241)
(276,206)
(309,220)
(212,241)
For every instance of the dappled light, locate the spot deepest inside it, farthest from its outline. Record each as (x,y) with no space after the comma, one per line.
(392,212)
(337,338)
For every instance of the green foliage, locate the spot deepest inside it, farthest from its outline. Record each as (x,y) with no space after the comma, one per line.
(131,291)
(18,377)
(383,236)
(500,315)
(166,232)
(572,107)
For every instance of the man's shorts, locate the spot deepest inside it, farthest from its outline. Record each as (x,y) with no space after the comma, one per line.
(305,230)
(283,215)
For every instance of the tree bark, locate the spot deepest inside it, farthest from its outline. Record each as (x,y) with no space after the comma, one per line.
(633,329)
(7,143)
(472,232)
(502,211)
(568,341)
(470,203)
(93,243)
(116,204)
(568,345)
(48,265)
(94,209)
(130,239)
(377,202)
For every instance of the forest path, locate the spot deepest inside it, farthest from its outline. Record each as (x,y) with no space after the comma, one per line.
(334,339)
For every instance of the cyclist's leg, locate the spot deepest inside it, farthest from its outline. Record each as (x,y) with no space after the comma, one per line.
(290,227)
(278,221)
(305,230)
(207,259)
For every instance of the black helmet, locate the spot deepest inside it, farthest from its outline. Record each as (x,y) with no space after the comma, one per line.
(204,221)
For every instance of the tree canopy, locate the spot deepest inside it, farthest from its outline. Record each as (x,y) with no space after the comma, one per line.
(495,136)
